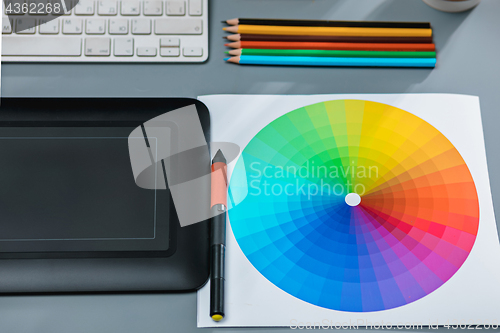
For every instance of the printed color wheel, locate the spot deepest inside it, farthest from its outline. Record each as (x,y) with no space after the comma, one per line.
(354,205)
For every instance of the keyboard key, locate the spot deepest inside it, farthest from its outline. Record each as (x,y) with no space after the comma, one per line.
(195,7)
(14,12)
(46,46)
(14,7)
(7,7)
(146,51)
(175,8)
(84,7)
(141,26)
(153,7)
(48,27)
(124,47)
(37,7)
(63,6)
(95,26)
(106,7)
(118,26)
(170,51)
(178,27)
(97,46)
(72,26)
(25,25)
(131,7)
(192,51)
(6,26)
(170,42)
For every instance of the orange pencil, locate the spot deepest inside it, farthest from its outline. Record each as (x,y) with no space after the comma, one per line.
(332,46)
(327,31)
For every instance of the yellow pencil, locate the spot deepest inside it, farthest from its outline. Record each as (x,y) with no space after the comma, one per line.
(327,31)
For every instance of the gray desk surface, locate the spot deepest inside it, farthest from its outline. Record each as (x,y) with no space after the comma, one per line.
(468,49)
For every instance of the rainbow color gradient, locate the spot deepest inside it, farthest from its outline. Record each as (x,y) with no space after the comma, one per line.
(413,229)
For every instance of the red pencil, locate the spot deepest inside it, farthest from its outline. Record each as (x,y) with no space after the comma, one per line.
(332,46)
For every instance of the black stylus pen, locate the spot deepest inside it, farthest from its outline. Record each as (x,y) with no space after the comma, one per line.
(218,235)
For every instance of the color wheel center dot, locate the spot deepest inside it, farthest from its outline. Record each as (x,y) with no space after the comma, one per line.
(352,199)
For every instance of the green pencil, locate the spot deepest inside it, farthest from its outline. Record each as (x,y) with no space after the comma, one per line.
(332,53)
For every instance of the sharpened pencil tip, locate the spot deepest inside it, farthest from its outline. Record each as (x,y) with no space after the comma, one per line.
(226,59)
(223,21)
(227,44)
(219,157)
(227,52)
(224,29)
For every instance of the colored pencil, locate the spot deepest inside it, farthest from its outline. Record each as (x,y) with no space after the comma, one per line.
(334,39)
(328,31)
(332,53)
(324,61)
(328,23)
(333,46)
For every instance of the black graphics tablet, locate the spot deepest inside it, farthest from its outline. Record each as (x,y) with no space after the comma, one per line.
(72,218)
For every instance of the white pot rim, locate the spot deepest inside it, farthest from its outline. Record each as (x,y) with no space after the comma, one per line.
(452,6)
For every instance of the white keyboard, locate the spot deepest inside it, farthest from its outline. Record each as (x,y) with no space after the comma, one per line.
(112,31)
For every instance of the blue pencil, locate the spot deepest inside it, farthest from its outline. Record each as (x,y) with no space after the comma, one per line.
(326,61)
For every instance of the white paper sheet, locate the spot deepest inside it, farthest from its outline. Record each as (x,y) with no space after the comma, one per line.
(469,297)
